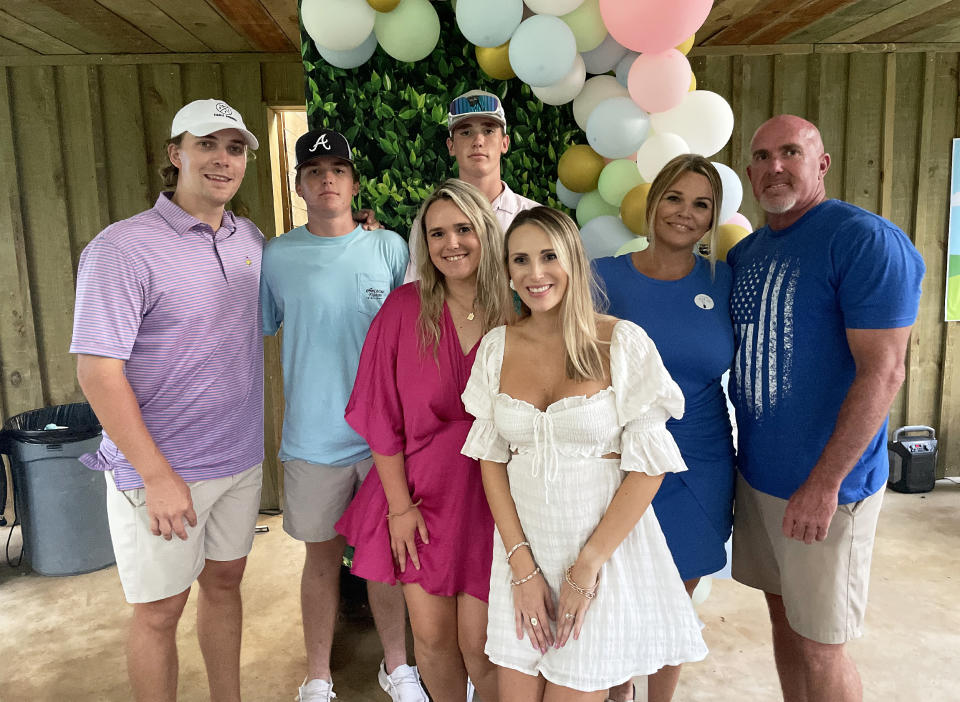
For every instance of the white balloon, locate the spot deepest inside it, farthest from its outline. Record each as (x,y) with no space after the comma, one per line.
(624,66)
(542,50)
(704,120)
(565,89)
(595,91)
(553,7)
(656,151)
(638,244)
(617,127)
(702,591)
(352,57)
(604,235)
(604,57)
(338,25)
(567,196)
(732,192)
(489,23)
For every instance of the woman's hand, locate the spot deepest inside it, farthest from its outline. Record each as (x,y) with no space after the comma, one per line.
(403,529)
(572,605)
(533,611)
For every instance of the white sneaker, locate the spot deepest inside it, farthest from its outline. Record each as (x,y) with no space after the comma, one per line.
(316,690)
(403,684)
(470,690)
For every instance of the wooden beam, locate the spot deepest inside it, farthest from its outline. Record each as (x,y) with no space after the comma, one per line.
(785,49)
(888,145)
(253,22)
(27,35)
(900,12)
(136,59)
(796,19)
(286,14)
(154,22)
(932,18)
(203,21)
(12,48)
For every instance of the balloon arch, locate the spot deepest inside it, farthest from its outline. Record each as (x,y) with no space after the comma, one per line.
(621,63)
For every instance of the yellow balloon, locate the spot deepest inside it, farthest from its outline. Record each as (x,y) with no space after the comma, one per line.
(693,83)
(633,209)
(728,235)
(579,168)
(495,61)
(385,5)
(683,48)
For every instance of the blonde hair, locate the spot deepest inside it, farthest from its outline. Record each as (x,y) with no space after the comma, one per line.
(491,281)
(585,351)
(686,163)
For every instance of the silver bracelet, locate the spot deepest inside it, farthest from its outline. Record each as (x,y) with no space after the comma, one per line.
(521,581)
(514,549)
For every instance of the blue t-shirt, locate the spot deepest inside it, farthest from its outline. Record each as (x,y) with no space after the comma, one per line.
(795,293)
(689,321)
(325,292)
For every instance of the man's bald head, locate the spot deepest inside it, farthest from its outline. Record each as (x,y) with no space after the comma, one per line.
(806,131)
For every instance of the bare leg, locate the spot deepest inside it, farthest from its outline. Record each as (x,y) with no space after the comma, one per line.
(519,687)
(623,692)
(390,616)
(319,601)
(219,626)
(152,649)
(555,693)
(434,623)
(472,635)
(810,671)
(662,684)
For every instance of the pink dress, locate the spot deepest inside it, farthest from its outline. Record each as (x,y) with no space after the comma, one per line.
(405,400)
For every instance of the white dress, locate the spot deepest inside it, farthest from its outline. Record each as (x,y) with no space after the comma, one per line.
(642,618)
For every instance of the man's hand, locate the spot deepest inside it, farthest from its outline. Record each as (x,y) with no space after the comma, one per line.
(809,512)
(168,504)
(367,219)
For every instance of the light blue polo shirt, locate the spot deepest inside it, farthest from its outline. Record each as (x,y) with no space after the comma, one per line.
(325,291)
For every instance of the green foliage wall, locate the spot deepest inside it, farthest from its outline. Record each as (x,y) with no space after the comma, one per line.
(394,115)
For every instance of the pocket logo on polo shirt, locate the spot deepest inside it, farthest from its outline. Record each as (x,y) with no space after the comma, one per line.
(376,294)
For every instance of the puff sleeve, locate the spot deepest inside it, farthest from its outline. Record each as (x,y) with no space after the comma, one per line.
(646,398)
(484,441)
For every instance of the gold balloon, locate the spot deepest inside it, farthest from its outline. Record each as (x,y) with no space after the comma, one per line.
(633,209)
(495,61)
(383,5)
(728,235)
(683,48)
(693,82)
(579,168)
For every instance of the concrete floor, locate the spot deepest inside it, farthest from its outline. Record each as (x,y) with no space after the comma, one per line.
(62,638)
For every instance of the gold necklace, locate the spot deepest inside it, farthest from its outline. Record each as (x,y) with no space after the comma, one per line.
(472,315)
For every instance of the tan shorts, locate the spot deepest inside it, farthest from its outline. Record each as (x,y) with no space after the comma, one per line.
(823,584)
(315,496)
(152,568)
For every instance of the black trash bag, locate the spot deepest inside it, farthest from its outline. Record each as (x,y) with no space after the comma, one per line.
(28,427)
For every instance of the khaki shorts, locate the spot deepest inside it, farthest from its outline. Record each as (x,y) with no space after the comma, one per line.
(315,496)
(823,584)
(152,568)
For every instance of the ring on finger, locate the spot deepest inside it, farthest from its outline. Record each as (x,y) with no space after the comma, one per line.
(534,621)
(568,615)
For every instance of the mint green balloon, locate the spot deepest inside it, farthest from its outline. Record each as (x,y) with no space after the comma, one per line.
(409,32)
(587,25)
(617,179)
(591,205)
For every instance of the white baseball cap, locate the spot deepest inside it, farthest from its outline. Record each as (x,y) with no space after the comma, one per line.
(203,117)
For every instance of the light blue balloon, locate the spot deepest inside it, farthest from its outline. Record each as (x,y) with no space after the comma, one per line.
(604,57)
(732,192)
(617,127)
(351,58)
(567,196)
(624,66)
(489,22)
(604,235)
(542,50)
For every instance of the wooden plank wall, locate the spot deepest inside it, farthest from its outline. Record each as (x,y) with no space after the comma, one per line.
(80,147)
(887,120)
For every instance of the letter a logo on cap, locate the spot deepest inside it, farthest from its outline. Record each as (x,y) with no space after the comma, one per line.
(322,141)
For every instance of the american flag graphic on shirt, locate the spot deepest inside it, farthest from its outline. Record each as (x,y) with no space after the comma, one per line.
(762,307)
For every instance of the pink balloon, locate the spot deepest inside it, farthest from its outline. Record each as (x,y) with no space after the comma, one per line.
(659,82)
(653,26)
(740,221)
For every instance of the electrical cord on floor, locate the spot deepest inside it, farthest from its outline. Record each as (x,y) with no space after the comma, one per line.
(16,523)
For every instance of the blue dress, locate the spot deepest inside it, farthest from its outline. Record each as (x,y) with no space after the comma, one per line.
(689,321)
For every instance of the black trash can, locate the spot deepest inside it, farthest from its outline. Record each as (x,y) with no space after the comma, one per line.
(60,503)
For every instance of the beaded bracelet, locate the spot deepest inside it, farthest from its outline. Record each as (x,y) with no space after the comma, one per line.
(588,592)
(400,514)
(521,581)
(514,549)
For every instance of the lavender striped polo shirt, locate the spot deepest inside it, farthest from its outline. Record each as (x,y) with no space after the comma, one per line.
(180,304)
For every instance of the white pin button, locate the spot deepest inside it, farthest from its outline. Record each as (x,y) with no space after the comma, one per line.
(703,301)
